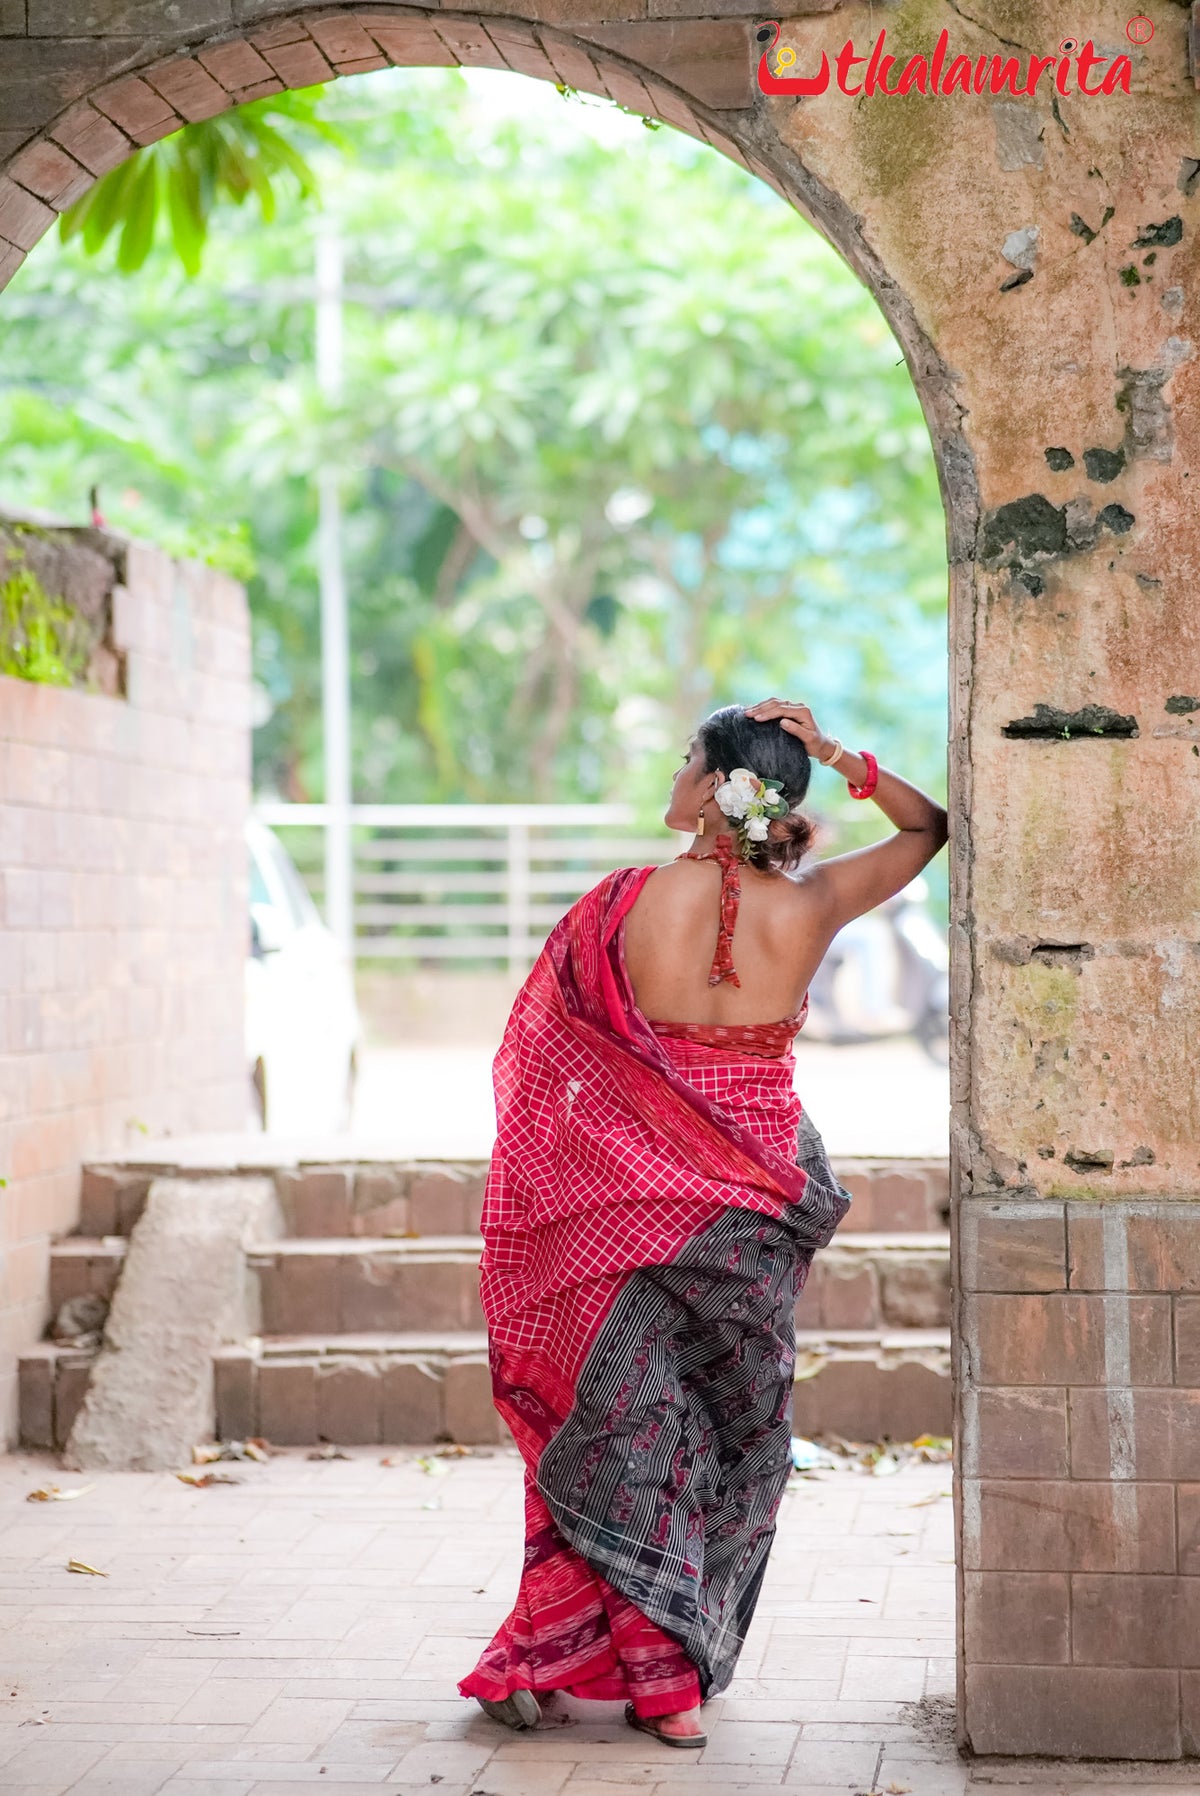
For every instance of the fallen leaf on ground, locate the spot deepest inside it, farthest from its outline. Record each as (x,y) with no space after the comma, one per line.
(50,1493)
(899,1789)
(433,1468)
(209,1451)
(204,1479)
(328,1451)
(77,1565)
(214,1633)
(924,1502)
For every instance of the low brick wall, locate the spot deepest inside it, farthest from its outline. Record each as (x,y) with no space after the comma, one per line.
(122,899)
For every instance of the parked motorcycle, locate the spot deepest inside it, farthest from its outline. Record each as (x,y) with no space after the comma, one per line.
(885,974)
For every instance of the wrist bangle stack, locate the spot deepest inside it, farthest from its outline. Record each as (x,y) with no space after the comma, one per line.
(838,751)
(872,780)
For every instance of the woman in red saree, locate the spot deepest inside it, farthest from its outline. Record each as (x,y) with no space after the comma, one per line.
(654,1201)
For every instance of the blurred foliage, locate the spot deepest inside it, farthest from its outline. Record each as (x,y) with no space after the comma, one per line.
(622,439)
(186,177)
(40,636)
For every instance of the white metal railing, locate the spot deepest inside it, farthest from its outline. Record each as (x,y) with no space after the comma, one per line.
(470,881)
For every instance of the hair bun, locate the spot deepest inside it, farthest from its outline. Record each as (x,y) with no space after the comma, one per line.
(789,841)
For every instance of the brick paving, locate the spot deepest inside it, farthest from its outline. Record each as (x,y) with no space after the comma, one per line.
(303,1631)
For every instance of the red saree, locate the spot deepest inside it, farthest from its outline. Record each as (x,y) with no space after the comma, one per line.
(648,1225)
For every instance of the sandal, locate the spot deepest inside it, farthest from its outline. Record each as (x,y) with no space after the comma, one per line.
(688,1742)
(519,1711)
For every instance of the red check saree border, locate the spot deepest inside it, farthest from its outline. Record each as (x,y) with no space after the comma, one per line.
(644,1241)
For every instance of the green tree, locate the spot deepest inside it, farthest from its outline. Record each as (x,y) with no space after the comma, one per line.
(622,438)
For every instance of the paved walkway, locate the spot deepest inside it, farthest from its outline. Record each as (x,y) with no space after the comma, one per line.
(302,1631)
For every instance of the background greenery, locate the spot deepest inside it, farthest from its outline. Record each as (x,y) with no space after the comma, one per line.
(622,439)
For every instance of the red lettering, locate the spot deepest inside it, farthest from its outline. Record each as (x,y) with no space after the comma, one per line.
(958,75)
(877,68)
(1037,68)
(1117,76)
(1085,62)
(845,58)
(914,74)
(1006,71)
(939,57)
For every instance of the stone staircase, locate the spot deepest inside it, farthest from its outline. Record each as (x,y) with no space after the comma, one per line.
(371,1329)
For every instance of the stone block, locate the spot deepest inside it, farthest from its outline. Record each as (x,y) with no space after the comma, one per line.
(1187,1341)
(521,49)
(349,1401)
(1019,1433)
(317,1199)
(408,1294)
(235,1393)
(409,42)
(237,67)
(48,171)
(188,88)
(710,59)
(380,1204)
(287,1401)
(1134,1620)
(71,1383)
(23,217)
(298,65)
(91,138)
(1017,1618)
(1061,1338)
(470,1415)
(845,1295)
(1002,1251)
(1076,1526)
(111,1199)
(300,1292)
(1187,1509)
(847,1387)
(437,1204)
(470,44)
(915,1399)
(135,108)
(1156,1245)
(35,1385)
(341,38)
(412,1404)
(1165,1435)
(914,1291)
(1072,1711)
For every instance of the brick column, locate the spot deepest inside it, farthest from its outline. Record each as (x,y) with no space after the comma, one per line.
(1081,1439)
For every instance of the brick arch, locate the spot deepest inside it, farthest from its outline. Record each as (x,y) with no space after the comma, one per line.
(693,73)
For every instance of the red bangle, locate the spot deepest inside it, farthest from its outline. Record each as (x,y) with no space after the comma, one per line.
(872,779)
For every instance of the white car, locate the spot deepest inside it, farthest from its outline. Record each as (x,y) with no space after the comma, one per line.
(302,1023)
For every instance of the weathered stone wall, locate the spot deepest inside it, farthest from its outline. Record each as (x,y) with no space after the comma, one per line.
(1035,255)
(122,898)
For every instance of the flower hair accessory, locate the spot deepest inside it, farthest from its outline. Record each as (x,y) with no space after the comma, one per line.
(750,804)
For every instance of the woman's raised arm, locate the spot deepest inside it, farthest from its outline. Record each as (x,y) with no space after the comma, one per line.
(849,884)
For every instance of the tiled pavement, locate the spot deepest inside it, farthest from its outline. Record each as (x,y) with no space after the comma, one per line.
(302,1631)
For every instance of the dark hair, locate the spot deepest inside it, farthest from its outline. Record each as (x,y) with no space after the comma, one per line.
(731,739)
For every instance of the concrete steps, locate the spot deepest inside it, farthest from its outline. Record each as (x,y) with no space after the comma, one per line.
(371,1329)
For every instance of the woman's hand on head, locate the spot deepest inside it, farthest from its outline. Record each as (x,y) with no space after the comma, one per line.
(797,720)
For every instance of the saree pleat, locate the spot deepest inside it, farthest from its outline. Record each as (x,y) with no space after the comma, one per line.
(651,1212)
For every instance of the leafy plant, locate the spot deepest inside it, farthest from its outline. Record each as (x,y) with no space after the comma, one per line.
(40,637)
(187,175)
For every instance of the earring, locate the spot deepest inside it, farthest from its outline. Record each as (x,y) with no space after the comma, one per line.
(700,824)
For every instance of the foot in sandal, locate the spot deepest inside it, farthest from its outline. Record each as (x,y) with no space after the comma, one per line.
(519,1710)
(682,1730)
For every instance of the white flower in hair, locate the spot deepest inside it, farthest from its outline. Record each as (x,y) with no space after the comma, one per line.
(745,783)
(730,800)
(757,828)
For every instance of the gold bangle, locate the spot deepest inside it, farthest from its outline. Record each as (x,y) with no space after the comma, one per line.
(838,751)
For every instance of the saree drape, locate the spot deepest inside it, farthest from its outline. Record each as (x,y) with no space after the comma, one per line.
(652,1208)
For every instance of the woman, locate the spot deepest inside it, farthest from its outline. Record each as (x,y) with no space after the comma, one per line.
(648,1226)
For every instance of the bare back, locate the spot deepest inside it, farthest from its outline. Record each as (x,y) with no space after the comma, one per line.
(780,935)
